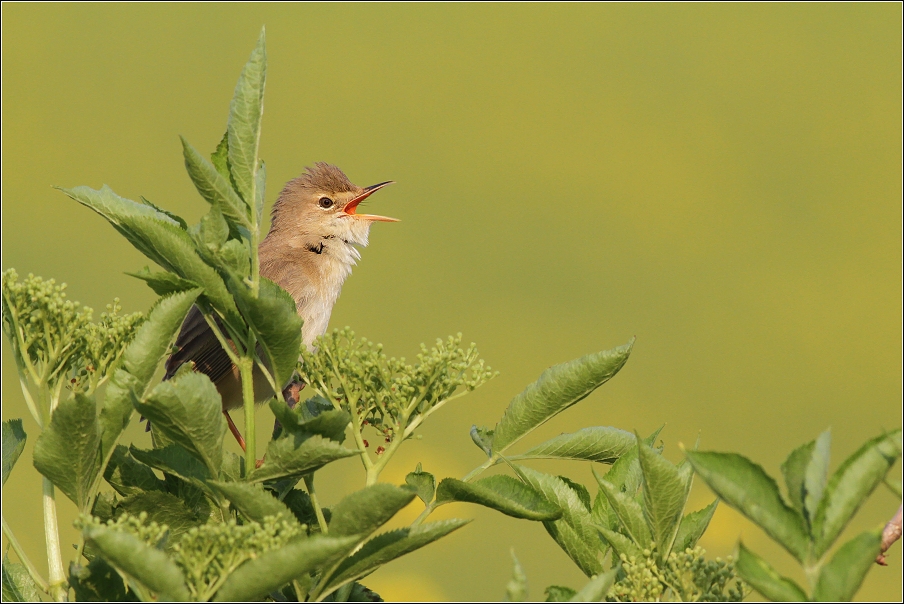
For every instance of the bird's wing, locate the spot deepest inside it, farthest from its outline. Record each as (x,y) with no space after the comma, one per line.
(198,344)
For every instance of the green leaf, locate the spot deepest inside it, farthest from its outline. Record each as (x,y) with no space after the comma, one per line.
(620,543)
(746,487)
(127,476)
(558,388)
(629,513)
(259,576)
(581,490)
(330,424)
(164,283)
(516,590)
(693,526)
(423,483)
(161,239)
(175,460)
(794,470)
(294,456)
(364,511)
(210,234)
(152,340)
(98,582)
(840,579)
(389,546)
(275,321)
(233,256)
(817,474)
(557,593)
(665,493)
(251,500)
(260,190)
(214,187)
(851,484)
(162,508)
(894,486)
(604,445)
(220,158)
(574,531)
(596,588)
(13,442)
(178,219)
(502,493)
(763,578)
(142,563)
(68,451)
(244,127)
(18,586)
(188,410)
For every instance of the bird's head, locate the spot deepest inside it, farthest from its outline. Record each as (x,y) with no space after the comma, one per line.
(323,202)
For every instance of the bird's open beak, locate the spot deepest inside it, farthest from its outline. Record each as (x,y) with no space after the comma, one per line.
(368,191)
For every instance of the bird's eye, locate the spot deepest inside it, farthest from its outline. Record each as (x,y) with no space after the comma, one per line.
(326,202)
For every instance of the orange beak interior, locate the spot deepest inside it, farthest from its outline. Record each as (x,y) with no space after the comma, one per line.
(351,206)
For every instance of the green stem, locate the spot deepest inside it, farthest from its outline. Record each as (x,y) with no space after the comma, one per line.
(29,566)
(478,470)
(321,520)
(246,367)
(58,588)
(427,511)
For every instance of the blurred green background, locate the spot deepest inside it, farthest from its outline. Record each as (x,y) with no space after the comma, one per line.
(722,181)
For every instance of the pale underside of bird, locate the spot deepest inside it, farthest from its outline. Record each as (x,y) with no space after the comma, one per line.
(312,245)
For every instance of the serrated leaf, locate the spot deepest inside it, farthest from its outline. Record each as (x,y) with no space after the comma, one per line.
(174,459)
(244,126)
(178,219)
(294,456)
(629,513)
(161,239)
(816,475)
(68,450)
(251,500)
(330,424)
(746,487)
(164,283)
(581,490)
(794,469)
(558,388)
(13,442)
(210,234)
(502,493)
(516,589)
(600,444)
(233,257)
(620,543)
(98,582)
(763,578)
(364,511)
(665,493)
(840,579)
(18,586)
(189,411)
(389,546)
(220,158)
(558,593)
(274,319)
(260,190)
(851,484)
(129,477)
(693,526)
(574,531)
(142,563)
(214,187)
(162,508)
(423,483)
(269,571)
(596,588)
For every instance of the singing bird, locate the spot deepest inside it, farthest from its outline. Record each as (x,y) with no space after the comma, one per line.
(312,245)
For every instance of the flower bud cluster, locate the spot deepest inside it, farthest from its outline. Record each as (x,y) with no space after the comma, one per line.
(387,390)
(684,576)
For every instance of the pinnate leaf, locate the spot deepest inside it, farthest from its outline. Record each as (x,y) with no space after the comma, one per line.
(423,483)
(763,578)
(558,388)
(364,511)
(214,187)
(794,469)
(13,442)
(840,579)
(601,444)
(665,492)
(296,456)
(18,586)
(244,126)
(502,493)
(693,526)
(251,500)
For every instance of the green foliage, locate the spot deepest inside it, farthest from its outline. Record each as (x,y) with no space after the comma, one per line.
(18,585)
(820,507)
(13,442)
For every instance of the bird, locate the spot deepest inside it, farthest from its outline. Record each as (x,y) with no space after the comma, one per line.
(314,241)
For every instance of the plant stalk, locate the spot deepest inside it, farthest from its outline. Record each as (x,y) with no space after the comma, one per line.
(246,367)
(321,520)
(58,587)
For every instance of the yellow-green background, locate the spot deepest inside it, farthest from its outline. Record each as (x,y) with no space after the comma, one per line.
(722,181)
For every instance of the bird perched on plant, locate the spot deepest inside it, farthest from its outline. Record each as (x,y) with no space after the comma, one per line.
(312,245)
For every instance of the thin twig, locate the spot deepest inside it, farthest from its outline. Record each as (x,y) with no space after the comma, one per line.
(890,534)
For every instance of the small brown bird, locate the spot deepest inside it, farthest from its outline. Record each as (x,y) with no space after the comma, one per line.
(310,250)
